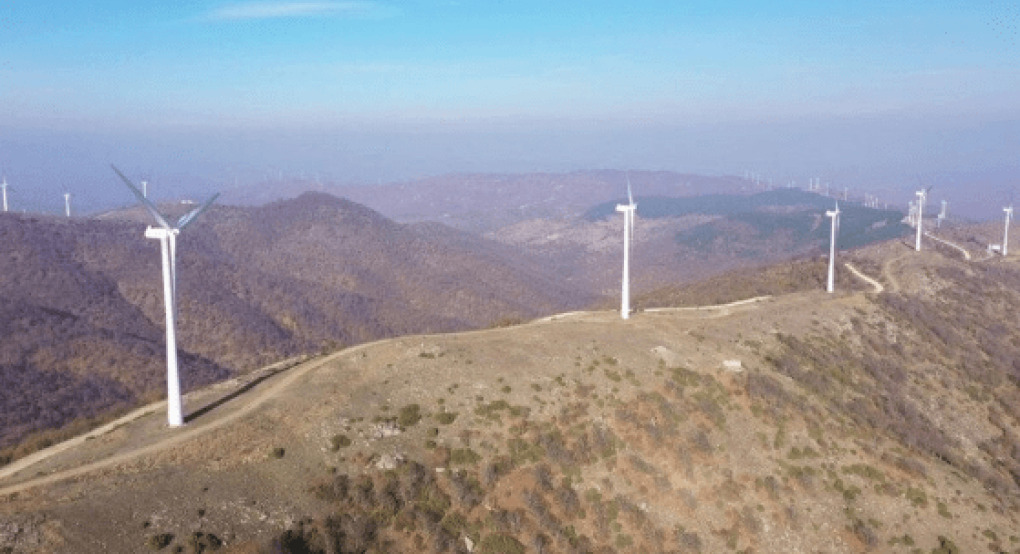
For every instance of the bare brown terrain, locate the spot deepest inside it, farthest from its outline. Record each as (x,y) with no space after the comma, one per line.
(800,422)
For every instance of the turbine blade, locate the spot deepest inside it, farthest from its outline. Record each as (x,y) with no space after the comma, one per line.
(630,197)
(193,214)
(145,201)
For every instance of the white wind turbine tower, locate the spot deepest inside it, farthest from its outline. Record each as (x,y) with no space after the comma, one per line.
(834,214)
(628,230)
(1005,234)
(67,204)
(4,186)
(167,235)
(942,215)
(922,195)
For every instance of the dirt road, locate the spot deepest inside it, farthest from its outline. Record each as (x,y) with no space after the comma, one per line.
(875,285)
(966,255)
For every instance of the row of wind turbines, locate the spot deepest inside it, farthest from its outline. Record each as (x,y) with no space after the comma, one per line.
(67,196)
(915,217)
(167,232)
(6,205)
(630,208)
(815,185)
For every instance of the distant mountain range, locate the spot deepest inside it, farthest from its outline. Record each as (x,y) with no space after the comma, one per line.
(686,239)
(81,303)
(485,202)
(766,216)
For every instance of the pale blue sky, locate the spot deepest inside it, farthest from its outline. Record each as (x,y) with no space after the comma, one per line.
(298,86)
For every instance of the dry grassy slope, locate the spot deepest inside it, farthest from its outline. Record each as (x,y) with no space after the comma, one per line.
(854,423)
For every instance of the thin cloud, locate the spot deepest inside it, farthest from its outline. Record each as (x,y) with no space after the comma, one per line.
(278,10)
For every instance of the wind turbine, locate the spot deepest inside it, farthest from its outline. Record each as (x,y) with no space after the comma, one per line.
(167,235)
(942,215)
(628,230)
(67,204)
(922,195)
(4,186)
(1005,234)
(834,214)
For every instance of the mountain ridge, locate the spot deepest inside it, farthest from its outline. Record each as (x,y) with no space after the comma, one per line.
(83,298)
(847,422)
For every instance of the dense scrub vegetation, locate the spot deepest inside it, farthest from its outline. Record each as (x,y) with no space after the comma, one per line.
(955,340)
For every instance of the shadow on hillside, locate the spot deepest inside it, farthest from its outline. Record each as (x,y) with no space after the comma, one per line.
(221,401)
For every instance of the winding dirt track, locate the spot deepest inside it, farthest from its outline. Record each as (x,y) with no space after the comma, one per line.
(221,418)
(713,307)
(247,404)
(875,285)
(966,255)
(189,432)
(894,285)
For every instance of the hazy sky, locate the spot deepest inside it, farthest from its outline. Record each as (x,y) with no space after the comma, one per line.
(202,93)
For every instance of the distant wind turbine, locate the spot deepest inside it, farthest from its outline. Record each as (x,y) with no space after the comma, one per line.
(167,235)
(628,230)
(67,204)
(1005,233)
(834,214)
(922,196)
(4,186)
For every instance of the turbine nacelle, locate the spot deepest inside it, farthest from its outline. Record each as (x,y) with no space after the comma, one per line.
(160,232)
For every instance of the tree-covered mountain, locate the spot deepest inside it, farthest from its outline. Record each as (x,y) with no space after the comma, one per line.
(758,226)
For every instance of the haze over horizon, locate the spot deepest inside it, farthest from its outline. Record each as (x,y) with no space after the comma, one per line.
(199,95)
